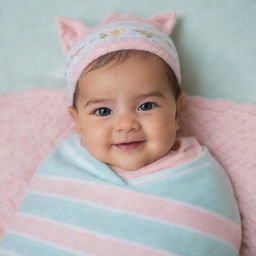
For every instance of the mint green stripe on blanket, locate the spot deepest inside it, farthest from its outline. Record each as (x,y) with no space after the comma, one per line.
(122,225)
(27,246)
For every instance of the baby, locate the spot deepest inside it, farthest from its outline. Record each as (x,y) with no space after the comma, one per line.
(127,183)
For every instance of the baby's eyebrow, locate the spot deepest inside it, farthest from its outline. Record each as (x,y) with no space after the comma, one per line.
(94,101)
(150,94)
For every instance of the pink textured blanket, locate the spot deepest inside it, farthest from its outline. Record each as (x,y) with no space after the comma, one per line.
(34,121)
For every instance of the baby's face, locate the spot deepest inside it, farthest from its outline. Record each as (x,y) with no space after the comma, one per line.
(126,113)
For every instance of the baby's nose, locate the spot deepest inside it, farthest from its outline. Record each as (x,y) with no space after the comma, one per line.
(126,123)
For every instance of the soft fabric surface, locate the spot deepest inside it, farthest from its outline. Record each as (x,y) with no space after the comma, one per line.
(76,205)
(34,121)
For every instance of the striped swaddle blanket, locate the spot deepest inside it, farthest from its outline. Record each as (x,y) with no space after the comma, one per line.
(76,205)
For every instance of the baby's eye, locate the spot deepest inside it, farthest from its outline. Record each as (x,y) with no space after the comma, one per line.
(102,111)
(147,106)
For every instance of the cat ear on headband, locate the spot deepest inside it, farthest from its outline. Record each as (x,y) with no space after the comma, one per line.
(70,32)
(164,21)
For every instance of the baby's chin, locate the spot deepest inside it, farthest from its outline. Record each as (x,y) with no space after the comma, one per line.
(126,167)
(132,164)
(129,167)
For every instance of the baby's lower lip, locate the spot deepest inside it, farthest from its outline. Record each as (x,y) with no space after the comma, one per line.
(129,146)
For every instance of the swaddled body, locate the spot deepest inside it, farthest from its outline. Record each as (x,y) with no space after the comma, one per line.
(183,204)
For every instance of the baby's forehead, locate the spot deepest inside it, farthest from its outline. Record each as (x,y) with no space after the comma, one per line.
(140,67)
(119,57)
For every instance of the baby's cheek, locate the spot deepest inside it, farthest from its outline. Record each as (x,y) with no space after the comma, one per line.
(163,127)
(94,147)
(165,135)
(95,136)
(92,129)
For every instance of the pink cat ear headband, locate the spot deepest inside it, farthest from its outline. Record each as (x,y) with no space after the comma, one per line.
(83,45)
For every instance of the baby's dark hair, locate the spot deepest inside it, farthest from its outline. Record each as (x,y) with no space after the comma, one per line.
(120,57)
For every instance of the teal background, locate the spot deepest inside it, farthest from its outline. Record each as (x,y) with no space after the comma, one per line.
(216,41)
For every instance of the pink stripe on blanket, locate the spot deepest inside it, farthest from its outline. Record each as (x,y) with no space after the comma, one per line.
(85,241)
(189,216)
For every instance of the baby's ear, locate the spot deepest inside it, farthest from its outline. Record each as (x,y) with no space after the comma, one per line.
(73,112)
(179,103)
(164,21)
(70,32)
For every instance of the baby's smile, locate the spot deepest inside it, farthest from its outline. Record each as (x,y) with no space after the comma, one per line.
(129,146)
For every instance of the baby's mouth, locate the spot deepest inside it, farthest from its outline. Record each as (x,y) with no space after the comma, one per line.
(129,145)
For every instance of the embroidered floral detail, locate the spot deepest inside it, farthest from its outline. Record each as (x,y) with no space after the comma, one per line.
(76,53)
(153,35)
(143,32)
(115,32)
(103,35)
